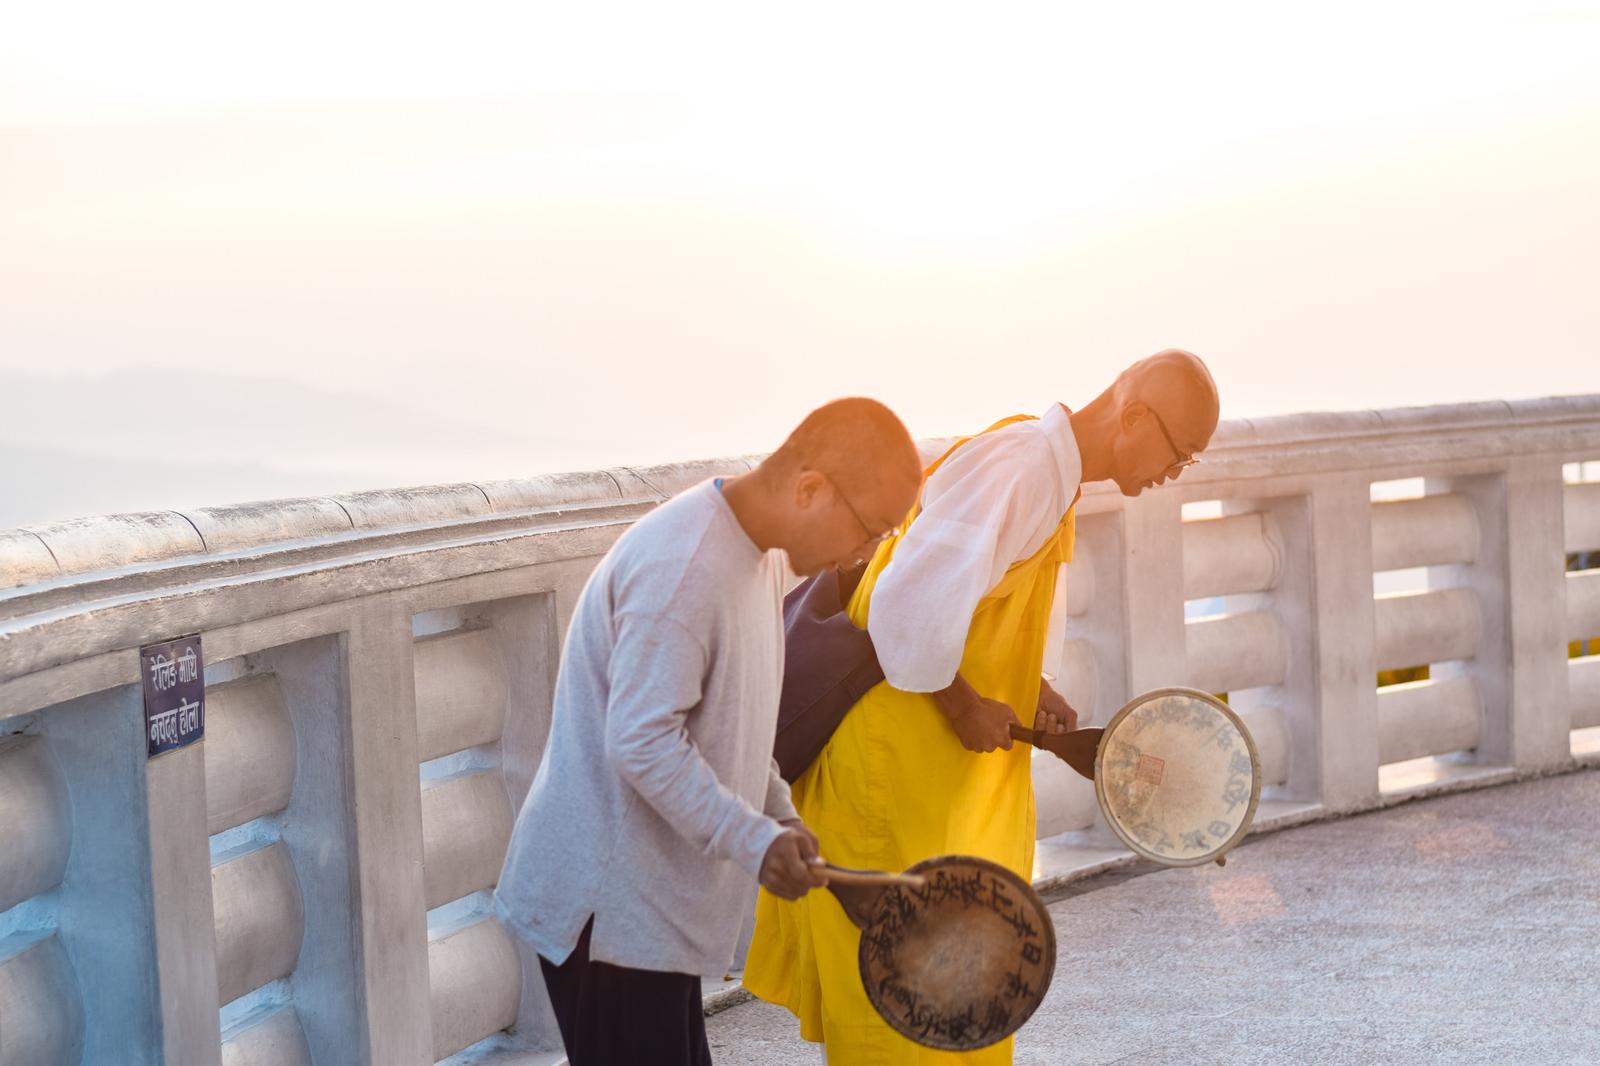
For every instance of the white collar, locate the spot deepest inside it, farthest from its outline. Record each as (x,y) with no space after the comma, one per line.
(1057,426)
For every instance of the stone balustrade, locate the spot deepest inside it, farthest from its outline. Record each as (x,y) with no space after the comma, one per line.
(311,882)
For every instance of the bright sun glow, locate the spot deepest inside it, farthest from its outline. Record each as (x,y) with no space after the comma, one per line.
(623,232)
(906,121)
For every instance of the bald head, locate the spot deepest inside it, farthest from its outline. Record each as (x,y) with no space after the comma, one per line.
(1148,426)
(840,483)
(1176,385)
(857,442)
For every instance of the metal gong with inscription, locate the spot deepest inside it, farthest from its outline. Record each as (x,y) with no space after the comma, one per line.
(964,960)
(1177,776)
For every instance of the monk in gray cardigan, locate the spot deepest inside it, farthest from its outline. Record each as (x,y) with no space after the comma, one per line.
(657,806)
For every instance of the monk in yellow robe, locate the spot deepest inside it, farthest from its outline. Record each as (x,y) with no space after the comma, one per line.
(957,602)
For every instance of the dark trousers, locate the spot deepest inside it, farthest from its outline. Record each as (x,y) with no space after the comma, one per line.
(617,1016)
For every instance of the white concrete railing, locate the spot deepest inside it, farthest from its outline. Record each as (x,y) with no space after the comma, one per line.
(309,883)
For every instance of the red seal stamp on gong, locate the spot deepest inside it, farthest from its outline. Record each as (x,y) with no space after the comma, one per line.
(1150,770)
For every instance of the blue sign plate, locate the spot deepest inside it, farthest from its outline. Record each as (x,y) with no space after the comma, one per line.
(174,694)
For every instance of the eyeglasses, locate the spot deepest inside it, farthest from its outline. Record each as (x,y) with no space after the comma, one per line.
(871,538)
(1181,460)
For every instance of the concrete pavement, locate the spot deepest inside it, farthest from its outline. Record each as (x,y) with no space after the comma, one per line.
(1461,929)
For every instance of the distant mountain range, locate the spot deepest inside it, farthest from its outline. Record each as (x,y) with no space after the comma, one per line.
(39,485)
(158,438)
(163,411)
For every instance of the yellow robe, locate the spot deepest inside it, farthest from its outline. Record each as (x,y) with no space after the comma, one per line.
(894,786)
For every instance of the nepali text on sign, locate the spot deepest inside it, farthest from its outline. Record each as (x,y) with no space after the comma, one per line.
(173,675)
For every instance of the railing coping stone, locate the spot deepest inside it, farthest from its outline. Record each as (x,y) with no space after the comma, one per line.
(38,553)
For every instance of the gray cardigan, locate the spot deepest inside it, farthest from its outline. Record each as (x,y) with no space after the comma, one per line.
(657,796)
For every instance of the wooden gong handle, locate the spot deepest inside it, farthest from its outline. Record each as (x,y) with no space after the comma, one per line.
(1076,749)
(870,878)
(858,891)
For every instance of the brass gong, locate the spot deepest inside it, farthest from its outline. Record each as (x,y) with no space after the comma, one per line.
(960,962)
(1178,777)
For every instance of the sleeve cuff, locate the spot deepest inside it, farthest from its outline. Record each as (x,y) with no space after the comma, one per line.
(753,845)
(780,806)
(917,680)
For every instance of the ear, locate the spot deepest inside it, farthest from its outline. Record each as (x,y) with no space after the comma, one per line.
(807,487)
(1132,414)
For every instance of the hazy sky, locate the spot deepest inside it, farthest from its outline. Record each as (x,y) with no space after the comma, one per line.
(634,233)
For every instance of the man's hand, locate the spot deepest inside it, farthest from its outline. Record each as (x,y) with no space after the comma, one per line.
(1055,715)
(800,827)
(791,866)
(981,724)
